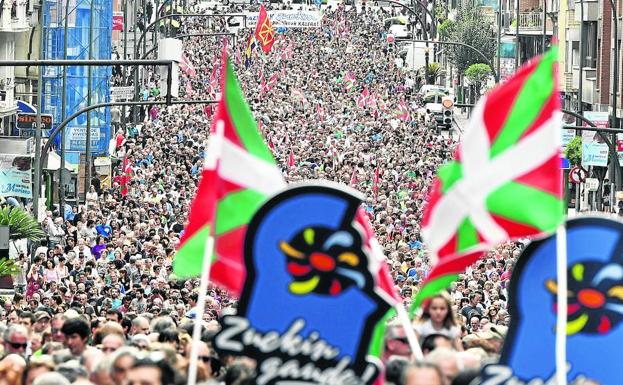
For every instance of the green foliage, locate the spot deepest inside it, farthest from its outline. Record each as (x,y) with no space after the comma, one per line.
(472,28)
(21,224)
(478,73)
(573,152)
(8,267)
(440,12)
(434,71)
(445,29)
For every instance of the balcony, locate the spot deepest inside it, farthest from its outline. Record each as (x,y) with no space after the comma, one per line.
(530,23)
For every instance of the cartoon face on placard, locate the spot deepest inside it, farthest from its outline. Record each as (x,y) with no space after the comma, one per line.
(309,303)
(595,308)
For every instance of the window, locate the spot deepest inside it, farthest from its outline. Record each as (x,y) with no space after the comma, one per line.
(590,44)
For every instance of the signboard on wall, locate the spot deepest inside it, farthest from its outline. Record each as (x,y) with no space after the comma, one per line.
(117,21)
(594,149)
(15,176)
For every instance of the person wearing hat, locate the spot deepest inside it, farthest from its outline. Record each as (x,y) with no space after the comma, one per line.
(42,321)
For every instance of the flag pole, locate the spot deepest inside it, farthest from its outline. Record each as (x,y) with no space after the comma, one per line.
(201,304)
(211,161)
(561,301)
(404,319)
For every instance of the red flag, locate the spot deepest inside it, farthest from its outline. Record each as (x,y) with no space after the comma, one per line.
(291,161)
(375,181)
(264,31)
(126,175)
(377,264)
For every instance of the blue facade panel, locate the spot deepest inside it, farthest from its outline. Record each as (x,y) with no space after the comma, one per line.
(70,19)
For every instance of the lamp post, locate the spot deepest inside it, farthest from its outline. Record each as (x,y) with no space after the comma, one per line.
(615,169)
(66,63)
(496,75)
(46,148)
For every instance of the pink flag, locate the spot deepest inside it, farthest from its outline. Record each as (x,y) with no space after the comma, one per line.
(238,57)
(213,83)
(272,81)
(189,89)
(375,181)
(353,177)
(402,112)
(320,112)
(362,100)
(291,161)
(187,66)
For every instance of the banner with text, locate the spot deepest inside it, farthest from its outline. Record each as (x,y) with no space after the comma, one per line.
(288,19)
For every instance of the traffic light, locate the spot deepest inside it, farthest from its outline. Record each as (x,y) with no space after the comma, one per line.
(447,111)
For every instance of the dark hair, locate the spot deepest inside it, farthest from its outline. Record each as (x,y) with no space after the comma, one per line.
(77,325)
(394,369)
(168,335)
(239,373)
(116,312)
(27,314)
(167,372)
(430,342)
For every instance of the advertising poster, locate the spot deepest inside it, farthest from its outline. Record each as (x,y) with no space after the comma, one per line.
(15,176)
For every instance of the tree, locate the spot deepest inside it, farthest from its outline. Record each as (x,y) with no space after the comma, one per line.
(478,74)
(434,71)
(573,152)
(445,29)
(21,224)
(471,28)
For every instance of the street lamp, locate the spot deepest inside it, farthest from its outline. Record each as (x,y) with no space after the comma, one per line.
(66,63)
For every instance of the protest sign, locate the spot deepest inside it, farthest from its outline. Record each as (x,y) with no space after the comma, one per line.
(595,300)
(310,302)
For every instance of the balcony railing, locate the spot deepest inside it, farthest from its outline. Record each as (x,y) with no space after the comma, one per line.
(531,21)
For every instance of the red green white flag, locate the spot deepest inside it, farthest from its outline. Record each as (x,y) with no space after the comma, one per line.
(505,180)
(239,175)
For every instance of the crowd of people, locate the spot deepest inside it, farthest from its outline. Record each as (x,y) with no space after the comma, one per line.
(96,302)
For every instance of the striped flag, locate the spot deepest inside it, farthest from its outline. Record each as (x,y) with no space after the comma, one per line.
(248,52)
(238,176)
(505,181)
(350,81)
